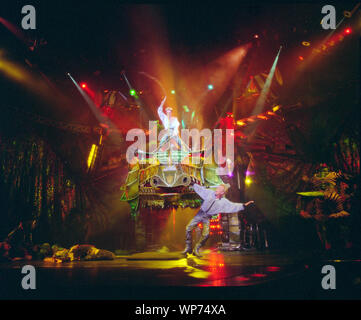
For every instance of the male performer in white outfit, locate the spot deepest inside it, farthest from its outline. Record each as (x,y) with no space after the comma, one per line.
(213,204)
(170,123)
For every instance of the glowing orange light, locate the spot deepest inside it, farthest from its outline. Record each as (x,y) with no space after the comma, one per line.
(262,117)
(241,123)
(83,85)
(301,58)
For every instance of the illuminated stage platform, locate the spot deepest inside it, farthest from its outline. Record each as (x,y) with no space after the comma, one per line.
(151,275)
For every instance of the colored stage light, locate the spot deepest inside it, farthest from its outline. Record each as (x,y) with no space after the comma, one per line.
(273,269)
(172,92)
(300,58)
(92,155)
(305,43)
(258,275)
(210,87)
(186,109)
(256,36)
(262,117)
(347,31)
(241,123)
(83,85)
(248,181)
(132,92)
(274,109)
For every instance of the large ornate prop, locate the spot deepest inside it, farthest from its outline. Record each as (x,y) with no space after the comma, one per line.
(164,177)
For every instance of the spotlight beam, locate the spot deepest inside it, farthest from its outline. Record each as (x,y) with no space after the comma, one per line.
(124,97)
(92,106)
(141,104)
(126,80)
(266,88)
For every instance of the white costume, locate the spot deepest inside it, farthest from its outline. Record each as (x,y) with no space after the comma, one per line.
(172,127)
(171,124)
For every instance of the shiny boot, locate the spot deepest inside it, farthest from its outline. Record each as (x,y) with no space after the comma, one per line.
(196,251)
(188,248)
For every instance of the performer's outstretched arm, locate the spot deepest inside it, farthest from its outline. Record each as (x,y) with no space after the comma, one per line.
(203,192)
(231,207)
(161,113)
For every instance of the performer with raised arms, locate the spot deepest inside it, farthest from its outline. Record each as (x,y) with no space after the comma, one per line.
(214,202)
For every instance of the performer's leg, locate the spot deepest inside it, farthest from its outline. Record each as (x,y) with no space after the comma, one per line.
(204,237)
(180,144)
(164,141)
(191,225)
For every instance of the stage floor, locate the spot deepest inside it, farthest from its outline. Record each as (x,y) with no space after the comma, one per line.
(154,275)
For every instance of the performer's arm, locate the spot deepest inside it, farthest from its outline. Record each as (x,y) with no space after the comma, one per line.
(161,113)
(203,192)
(231,207)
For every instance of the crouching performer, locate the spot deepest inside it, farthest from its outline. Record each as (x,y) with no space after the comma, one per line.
(214,202)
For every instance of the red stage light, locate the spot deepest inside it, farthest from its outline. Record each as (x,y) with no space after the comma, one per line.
(83,85)
(301,58)
(258,275)
(347,31)
(273,269)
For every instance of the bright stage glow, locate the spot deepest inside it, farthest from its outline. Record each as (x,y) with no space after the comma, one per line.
(241,123)
(301,58)
(172,92)
(347,31)
(248,181)
(83,85)
(92,155)
(132,92)
(249,173)
(210,87)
